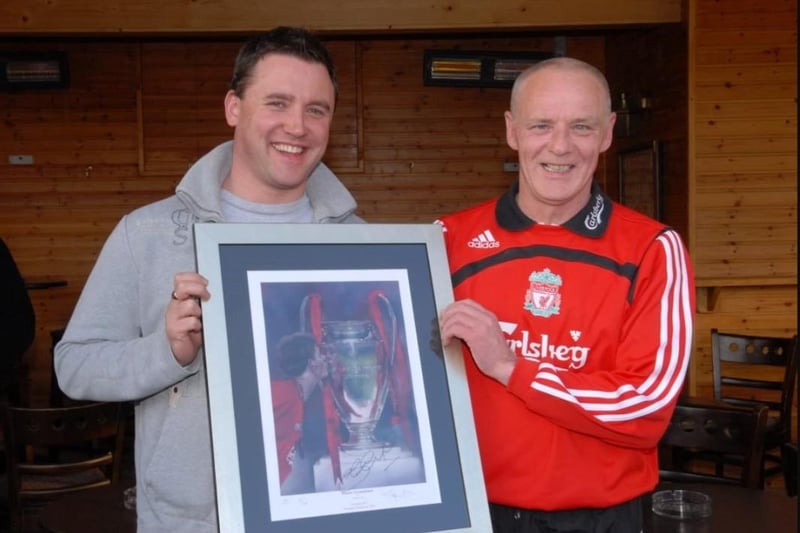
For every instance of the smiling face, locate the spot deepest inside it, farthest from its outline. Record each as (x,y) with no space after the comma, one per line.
(560,122)
(282,123)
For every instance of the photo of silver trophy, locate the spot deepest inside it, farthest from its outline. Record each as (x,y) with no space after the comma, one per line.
(360,354)
(367,393)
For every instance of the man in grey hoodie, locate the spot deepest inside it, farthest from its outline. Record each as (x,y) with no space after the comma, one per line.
(135,333)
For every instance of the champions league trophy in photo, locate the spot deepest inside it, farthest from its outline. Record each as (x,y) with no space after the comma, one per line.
(364,373)
(361,370)
(360,354)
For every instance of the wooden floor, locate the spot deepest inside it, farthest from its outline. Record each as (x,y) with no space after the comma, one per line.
(774,483)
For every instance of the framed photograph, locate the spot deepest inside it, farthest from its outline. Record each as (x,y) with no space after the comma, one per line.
(640,178)
(332,404)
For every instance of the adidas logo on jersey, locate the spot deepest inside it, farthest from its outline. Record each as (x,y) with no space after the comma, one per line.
(484,240)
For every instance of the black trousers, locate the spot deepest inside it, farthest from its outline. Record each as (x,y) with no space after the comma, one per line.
(623,518)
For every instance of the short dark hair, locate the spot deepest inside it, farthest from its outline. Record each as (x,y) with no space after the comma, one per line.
(294,353)
(287,40)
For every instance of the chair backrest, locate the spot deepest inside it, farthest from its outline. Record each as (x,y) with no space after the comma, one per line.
(721,429)
(738,384)
(54,451)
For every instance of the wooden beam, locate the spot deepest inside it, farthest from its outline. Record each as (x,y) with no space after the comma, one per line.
(43,17)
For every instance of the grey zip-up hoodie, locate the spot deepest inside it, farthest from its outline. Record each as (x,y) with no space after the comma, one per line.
(115,346)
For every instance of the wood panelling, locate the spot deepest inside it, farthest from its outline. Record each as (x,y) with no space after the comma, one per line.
(181,93)
(155,16)
(141,108)
(744,140)
(428,150)
(139,112)
(743,170)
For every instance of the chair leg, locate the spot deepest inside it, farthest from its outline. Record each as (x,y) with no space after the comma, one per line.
(774,465)
(719,467)
(789,467)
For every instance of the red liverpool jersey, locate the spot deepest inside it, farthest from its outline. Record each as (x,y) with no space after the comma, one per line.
(287,407)
(599,312)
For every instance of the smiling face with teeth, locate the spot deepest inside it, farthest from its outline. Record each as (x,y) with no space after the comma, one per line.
(559,123)
(282,123)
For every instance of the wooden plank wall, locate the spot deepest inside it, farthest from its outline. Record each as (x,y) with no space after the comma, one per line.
(410,153)
(139,111)
(743,169)
(745,137)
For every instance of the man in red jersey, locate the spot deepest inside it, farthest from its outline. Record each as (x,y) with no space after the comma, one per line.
(303,367)
(576,318)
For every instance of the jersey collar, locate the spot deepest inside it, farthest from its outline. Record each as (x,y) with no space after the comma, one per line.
(591,221)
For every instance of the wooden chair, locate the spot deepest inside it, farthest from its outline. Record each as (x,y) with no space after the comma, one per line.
(789,455)
(715,427)
(750,370)
(54,451)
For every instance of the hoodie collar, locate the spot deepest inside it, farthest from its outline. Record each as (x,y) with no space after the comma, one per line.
(200,188)
(591,221)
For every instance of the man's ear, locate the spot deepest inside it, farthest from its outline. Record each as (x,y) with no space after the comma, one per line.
(609,134)
(232,107)
(511,134)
